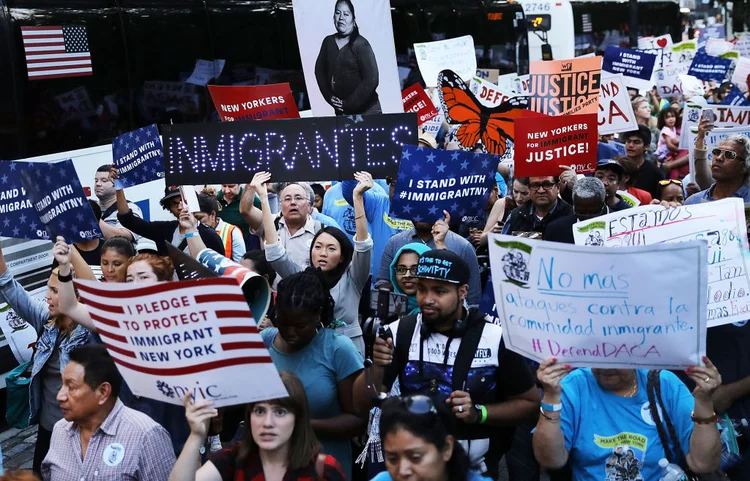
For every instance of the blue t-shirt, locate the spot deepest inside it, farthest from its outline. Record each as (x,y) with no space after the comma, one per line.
(614,438)
(381,225)
(320,366)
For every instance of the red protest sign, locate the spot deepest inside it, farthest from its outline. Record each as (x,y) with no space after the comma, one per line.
(254,102)
(543,144)
(416,100)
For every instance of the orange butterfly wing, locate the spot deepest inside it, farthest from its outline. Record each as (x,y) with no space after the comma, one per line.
(501,127)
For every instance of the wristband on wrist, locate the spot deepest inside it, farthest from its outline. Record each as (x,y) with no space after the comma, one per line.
(709,420)
(63,278)
(482,412)
(553,408)
(544,415)
(191,234)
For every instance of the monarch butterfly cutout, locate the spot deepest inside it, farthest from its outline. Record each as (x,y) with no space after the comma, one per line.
(492,126)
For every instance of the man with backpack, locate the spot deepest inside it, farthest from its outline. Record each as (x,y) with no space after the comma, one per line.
(449,353)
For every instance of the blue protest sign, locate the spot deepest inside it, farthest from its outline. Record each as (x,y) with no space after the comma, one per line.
(709,67)
(57,196)
(431,181)
(18,218)
(714,31)
(735,97)
(636,67)
(138,156)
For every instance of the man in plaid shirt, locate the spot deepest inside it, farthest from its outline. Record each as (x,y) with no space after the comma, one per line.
(98,437)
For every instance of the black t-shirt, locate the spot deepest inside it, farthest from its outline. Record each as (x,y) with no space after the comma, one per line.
(647,178)
(93,257)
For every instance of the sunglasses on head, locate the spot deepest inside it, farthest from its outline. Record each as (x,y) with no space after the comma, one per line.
(728,154)
(419,404)
(670,181)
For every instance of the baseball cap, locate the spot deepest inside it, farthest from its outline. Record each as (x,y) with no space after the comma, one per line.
(443,265)
(169,192)
(610,164)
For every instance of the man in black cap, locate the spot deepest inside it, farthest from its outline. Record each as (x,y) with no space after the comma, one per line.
(448,352)
(610,172)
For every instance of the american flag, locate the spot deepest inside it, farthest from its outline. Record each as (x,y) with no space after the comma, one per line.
(55,52)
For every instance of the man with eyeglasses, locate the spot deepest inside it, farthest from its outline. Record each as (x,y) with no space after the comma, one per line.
(589,195)
(449,353)
(648,175)
(730,169)
(544,207)
(295,226)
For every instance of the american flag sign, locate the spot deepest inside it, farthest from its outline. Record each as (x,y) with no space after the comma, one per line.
(55,52)
(173,338)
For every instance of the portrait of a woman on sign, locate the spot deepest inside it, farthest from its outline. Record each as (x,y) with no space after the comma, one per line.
(346,69)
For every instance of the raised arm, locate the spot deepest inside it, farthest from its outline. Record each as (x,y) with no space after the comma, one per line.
(363,244)
(702,175)
(440,230)
(188,466)
(68,302)
(373,199)
(35,313)
(704,455)
(250,213)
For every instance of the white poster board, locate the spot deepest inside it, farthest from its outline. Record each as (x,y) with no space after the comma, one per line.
(205,70)
(365,76)
(615,110)
(721,224)
(726,116)
(172,338)
(456,54)
(589,307)
(489,94)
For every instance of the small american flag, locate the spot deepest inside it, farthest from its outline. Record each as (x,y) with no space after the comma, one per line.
(55,52)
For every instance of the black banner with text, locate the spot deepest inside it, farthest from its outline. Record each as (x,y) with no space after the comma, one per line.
(328,148)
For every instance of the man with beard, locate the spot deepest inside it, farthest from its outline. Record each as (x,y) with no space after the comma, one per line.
(448,352)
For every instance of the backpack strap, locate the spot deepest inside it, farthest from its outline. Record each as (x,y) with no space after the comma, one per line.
(406,327)
(466,352)
(111,210)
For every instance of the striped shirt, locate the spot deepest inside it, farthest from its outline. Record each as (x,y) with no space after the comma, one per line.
(128,445)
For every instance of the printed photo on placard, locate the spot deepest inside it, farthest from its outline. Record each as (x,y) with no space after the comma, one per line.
(348,56)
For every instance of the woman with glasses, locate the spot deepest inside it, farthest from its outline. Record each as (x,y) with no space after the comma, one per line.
(730,167)
(403,272)
(418,444)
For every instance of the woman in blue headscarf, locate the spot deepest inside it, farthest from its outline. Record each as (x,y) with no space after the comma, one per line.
(403,273)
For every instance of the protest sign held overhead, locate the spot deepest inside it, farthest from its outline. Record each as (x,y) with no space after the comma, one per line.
(58,198)
(709,67)
(291,149)
(589,307)
(172,338)
(138,157)
(417,101)
(680,52)
(489,94)
(668,81)
(726,116)
(662,42)
(433,180)
(18,218)
(490,127)
(543,144)
(720,223)
(254,102)
(636,67)
(564,87)
(615,110)
(456,54)
(361,77)
(741,73)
